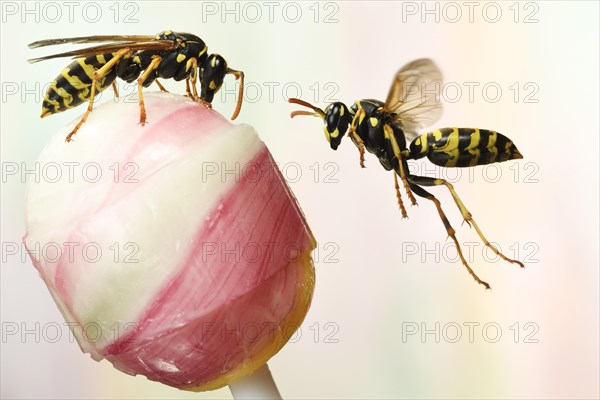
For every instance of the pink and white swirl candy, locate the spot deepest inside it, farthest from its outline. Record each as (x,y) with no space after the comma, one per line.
(184,255)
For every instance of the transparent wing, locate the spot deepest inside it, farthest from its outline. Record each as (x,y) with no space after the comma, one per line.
(112,48)
(415,96)
(91,39)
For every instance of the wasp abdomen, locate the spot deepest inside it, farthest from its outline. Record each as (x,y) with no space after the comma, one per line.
(464,147)
(73,86)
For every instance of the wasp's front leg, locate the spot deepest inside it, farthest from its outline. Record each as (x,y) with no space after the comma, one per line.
(355,137)
(388,133)
(160,86)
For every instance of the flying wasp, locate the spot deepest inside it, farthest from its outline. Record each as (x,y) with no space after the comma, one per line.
(143,58)
(385,129)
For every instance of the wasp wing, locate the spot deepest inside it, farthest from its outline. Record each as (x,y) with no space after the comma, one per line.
(415,96)
(91,39)
(112,48)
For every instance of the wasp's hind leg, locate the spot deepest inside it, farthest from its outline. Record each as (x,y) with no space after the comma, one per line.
(419,191)
(97,76)
(468,218)
(156,60)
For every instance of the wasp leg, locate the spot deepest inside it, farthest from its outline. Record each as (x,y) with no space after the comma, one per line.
(468,218)
(114,88)
(238,75)
(187,88)
(399,197)
(356,138)
(151,68)
(191,81)
(361,145)
(388,133)
(419,191)
(160,86)
(193,64)
(98,74)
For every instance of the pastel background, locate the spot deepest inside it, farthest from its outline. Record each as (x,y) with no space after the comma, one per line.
(371,286)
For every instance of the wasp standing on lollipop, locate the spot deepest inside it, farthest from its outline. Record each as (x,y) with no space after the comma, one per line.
(384,129)
(166,55)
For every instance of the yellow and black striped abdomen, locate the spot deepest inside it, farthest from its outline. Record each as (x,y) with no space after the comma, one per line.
(73,86)
(463,147)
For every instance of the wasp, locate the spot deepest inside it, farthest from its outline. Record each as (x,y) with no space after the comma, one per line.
(386,129)
(166,55)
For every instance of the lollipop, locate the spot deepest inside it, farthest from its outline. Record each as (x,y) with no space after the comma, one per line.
(183,255)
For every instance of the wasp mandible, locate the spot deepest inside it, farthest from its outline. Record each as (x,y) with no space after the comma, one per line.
(384,129)
(166,55)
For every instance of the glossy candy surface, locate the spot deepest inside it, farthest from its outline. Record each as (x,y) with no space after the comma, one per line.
(185,256)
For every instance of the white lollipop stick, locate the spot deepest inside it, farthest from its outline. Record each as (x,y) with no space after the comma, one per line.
(259,385)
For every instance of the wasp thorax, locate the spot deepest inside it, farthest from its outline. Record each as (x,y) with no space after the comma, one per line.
(337,118)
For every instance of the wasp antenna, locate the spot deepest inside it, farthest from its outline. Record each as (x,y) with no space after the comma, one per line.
(317,111)
(238,75)
(34,60)
(296,113)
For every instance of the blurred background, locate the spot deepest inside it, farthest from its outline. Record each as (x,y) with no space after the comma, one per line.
(394,315)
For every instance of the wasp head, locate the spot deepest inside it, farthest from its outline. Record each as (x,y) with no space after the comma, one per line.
(336,117)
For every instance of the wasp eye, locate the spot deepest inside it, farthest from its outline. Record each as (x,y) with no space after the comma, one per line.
(332,117)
